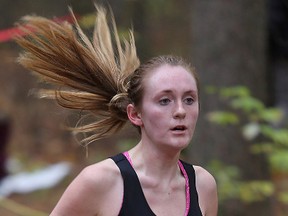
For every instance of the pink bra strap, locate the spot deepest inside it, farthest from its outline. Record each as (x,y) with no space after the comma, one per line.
(126,154)
(187,188)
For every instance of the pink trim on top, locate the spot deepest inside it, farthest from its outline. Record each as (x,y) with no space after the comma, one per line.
(126,154)
(187,188)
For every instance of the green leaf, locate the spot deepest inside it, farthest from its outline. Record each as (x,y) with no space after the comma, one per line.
(247,104)
(279,161)
(223,118)
(266,148)
(283,197)
(237,91)
(279,136)
(256,190)
(271,115)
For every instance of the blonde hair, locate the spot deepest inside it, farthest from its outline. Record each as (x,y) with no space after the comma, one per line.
(85,75)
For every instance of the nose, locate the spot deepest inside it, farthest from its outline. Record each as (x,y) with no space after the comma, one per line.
(179,111)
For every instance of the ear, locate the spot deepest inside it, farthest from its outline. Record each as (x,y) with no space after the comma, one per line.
(133,115)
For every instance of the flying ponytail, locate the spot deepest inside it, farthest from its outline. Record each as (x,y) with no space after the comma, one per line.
(84,75)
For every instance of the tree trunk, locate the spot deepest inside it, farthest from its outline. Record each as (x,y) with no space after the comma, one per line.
(228,49)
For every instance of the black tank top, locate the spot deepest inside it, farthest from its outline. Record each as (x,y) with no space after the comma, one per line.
(134,201)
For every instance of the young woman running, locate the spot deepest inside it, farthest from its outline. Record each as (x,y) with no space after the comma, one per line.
(160,97)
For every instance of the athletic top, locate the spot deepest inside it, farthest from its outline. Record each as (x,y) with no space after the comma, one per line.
(134,201)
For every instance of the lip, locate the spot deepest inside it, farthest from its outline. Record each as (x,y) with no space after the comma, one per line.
(181,129)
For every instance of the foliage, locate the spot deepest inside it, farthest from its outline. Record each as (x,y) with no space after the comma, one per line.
(230,185)
(255,121)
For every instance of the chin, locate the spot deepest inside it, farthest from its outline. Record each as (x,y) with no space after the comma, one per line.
(180,145)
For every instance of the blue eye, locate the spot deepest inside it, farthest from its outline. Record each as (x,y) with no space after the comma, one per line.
(164,101)
(189,100)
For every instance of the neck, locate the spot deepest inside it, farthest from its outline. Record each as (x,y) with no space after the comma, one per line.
(155,163)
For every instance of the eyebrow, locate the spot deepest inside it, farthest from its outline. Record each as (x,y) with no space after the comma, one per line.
(194,92)
(188,91)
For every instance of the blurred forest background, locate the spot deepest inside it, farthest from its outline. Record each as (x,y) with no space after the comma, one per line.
(240,50)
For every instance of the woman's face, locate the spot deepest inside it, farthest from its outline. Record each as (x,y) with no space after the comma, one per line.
(169,108)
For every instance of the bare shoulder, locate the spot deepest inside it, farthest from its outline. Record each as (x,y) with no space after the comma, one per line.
(204,178)
(207,191)
(103,174)
(97,177)
(89,192)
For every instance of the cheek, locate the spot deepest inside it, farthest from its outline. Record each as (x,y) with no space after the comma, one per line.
(155,118)
(193,113)
(195,116)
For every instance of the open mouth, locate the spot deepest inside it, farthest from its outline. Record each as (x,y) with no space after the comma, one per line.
(179,128)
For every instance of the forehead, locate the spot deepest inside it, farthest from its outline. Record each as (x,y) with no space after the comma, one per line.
(167,77)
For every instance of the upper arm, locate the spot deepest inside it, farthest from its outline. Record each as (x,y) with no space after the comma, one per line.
(207,191)
(87,192)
